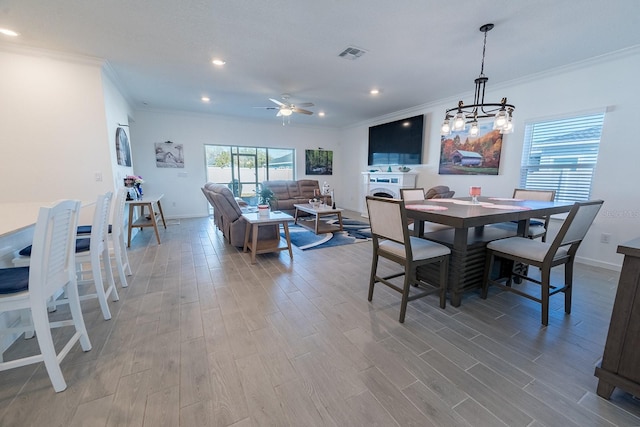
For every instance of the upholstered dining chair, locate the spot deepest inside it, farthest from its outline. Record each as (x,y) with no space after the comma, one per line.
(537,227)
(90,249)
(416,195)
(545,256)
(409,194)
(51,272)
(391,240)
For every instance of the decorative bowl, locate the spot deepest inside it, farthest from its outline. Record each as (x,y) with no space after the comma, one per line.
(404,169)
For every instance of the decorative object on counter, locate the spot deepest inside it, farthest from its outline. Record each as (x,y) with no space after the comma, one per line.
(404,169)
(475,192)
(389,169)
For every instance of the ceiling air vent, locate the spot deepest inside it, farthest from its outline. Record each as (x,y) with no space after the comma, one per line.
(352,53)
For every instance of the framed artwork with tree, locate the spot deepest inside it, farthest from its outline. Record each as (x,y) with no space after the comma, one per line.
(318,162)
(169,155)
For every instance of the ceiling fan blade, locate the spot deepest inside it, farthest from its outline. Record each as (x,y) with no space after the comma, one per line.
(267,108)
(276,101)
(279,113)
(305,104)
(302,111)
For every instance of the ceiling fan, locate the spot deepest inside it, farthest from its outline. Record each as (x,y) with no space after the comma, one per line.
(286,109)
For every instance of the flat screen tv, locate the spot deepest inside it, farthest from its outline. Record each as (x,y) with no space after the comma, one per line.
(397,143)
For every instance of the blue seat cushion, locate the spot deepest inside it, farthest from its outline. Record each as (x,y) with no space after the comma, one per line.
(86,229)
(14,280)
(82,245)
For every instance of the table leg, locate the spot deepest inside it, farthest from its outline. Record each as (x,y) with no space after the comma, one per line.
(154,222)
(340,221)
(316,223)
(162,216)
(254,242)
(247,231)
(295,217)
(130,225)
(287,238)
(456,264)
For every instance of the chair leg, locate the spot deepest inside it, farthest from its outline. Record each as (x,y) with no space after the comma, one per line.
(546,277)
(76,314)
(99,285)
(111,283)
(409,277)
(47,349)
(372,278)
(488,266)
(568,282)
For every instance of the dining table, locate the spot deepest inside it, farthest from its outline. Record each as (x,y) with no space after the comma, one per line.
(471,227)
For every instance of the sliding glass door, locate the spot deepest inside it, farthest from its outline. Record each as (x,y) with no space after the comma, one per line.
(243,169)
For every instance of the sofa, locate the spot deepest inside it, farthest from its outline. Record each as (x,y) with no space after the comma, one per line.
(439,192)
(288,193)
(227,215)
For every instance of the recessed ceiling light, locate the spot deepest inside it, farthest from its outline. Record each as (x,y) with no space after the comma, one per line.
(205,99)
(374,91)
(321,113)
(8,32)
(218,62)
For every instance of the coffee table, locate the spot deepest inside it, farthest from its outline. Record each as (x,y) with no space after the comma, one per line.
(319,226)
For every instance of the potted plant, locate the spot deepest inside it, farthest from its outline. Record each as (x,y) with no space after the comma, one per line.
(265,198)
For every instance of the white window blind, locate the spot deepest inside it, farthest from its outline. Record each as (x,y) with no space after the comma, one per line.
(561,155)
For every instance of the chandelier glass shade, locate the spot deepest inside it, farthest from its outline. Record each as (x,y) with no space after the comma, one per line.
(457,118)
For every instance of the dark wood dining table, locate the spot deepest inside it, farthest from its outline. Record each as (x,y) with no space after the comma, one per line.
(472,227)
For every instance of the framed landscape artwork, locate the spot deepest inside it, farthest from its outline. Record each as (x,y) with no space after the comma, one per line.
(318,162)
(461,154)
(169,155)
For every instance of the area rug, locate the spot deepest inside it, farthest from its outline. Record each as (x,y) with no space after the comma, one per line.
(354,232)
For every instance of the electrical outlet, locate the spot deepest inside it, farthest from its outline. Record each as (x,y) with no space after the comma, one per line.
(605,238)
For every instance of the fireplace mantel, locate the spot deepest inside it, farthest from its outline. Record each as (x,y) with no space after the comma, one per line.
(387,184)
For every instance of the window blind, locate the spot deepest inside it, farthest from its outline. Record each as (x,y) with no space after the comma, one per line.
(561,155)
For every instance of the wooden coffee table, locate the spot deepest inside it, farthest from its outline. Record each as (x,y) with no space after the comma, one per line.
(254,221)
(319,226)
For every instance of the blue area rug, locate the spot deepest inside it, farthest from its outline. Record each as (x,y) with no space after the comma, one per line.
(354,232)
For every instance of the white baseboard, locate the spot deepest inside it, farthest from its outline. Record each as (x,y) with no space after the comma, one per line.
(600,264)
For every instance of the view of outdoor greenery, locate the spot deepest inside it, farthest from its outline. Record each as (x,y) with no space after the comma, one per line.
(243,169)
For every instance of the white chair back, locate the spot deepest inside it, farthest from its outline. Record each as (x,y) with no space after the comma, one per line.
(52,262)
(100,224)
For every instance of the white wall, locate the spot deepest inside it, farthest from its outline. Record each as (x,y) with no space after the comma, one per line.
(609,82)
(181,187)
(54,134)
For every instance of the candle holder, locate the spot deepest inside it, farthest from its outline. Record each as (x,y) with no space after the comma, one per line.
(475,192)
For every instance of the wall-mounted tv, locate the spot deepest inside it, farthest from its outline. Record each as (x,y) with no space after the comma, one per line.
(397,143)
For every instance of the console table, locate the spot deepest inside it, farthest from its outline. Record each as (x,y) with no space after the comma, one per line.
(620,366)
(254,221)
(143,220)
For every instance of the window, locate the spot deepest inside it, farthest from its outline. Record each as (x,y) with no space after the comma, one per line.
(561,155)
(244,168)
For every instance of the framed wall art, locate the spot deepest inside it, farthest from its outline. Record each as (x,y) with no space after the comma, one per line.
(318,162)
(169,155)
(461,154)
(123,150)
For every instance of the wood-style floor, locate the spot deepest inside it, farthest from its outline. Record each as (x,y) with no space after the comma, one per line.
(203,338)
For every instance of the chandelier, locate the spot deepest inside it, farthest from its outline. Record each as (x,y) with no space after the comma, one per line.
(457,118)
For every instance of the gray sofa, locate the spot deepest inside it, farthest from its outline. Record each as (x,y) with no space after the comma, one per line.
(288,193)
(227,215)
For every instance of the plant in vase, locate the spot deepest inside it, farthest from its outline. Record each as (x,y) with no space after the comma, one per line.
(265,199)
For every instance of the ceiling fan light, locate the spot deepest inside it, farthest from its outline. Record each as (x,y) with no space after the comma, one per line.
(286,111)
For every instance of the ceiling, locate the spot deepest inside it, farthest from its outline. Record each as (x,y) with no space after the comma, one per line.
(417,51)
